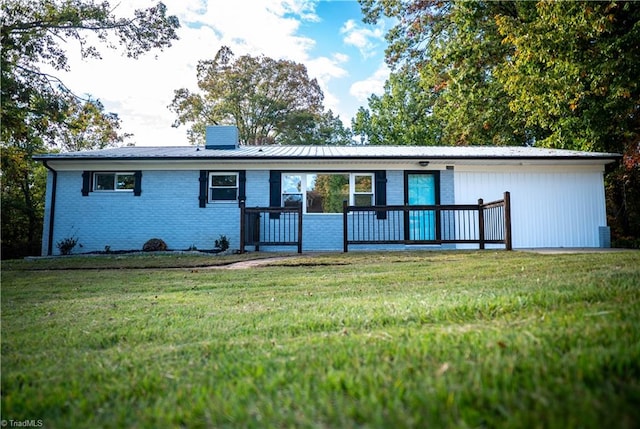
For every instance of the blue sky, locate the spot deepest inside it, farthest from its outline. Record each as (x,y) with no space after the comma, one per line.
(345,55)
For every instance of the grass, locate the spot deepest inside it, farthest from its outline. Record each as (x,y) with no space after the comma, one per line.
(138,260)
(415,339)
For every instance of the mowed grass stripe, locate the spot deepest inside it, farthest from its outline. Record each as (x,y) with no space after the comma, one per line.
(415,339)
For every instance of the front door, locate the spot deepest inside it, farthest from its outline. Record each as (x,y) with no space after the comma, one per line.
(421,189)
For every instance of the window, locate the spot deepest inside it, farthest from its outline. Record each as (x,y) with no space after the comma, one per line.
(113,181)
(325,192)
(223,186)
(362,190)
(291,190)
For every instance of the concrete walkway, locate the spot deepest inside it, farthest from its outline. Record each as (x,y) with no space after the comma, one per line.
(242,265)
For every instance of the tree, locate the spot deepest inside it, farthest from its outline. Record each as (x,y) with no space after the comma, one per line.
(401,116)
(306,128)
(270,101)
(449,51)
(556,74)
(575,73)
(39,113)
(552,74)
(32,33)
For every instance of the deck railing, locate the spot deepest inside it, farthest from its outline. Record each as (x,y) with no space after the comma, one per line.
(482,223)
(270,226)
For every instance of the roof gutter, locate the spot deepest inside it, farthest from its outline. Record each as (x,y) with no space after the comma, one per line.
(609,158)
(52,212)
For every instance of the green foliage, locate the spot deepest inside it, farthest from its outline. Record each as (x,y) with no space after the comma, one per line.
(39,113)
(400,116)
(269,101)
(574,73)
(555,74)
(322,129)
(623,206)
(444,56)
(332,189)
(36,106)
(23,188)
(66,245)
(222,243)
(551,74)
(377,340)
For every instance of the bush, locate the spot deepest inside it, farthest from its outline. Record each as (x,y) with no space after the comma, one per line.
(154,245)
(66,245)
(222,243)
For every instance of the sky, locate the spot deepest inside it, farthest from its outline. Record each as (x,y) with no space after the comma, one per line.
(345,55)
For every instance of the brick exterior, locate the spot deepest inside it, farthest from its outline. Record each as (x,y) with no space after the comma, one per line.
(168,208)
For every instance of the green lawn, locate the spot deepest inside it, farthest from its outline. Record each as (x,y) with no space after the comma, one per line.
(382,340)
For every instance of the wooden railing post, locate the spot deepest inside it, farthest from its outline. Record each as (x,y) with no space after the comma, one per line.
(507,221)
(480,223)
(345,225)
(300,228)
(406,223)
(242,225)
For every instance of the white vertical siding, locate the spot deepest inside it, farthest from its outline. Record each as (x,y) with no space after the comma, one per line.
(552,207)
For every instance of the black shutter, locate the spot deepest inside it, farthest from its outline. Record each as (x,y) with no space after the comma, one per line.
(242,186)
(275,192)
(204,175)
(137,183)
(86,183)
(381,192)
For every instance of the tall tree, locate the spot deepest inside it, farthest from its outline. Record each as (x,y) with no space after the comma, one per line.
(39,113)
(558,74)
(449,51)
(547,73)
(574,73)
(307,128)
(33,34)
(401,116)
(270,101)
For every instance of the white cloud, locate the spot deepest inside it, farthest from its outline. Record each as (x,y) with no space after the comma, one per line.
(325,69)
(374,84)
(341,58)
(365,39)
(139,91)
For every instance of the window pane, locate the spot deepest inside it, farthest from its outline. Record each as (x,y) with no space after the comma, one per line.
(124,181)
(104,182)
(363,183)
(291,184)
(223,193)
(363,200)
(326,192)
(292,200)
(223,180)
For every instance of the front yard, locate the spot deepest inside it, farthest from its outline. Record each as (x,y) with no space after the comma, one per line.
(407,339)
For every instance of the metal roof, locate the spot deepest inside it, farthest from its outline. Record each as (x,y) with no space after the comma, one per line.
(327,153)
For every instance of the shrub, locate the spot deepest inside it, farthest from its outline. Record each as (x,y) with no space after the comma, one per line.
(154,245)
(66,245)
(222,243)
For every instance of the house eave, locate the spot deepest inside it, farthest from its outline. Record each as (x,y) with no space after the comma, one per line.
(258,157)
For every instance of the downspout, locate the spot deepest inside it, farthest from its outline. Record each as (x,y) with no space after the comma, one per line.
(52,212)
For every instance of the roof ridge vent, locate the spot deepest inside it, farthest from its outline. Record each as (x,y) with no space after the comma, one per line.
(223,137)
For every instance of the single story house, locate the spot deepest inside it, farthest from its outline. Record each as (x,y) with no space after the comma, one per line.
(189,196)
